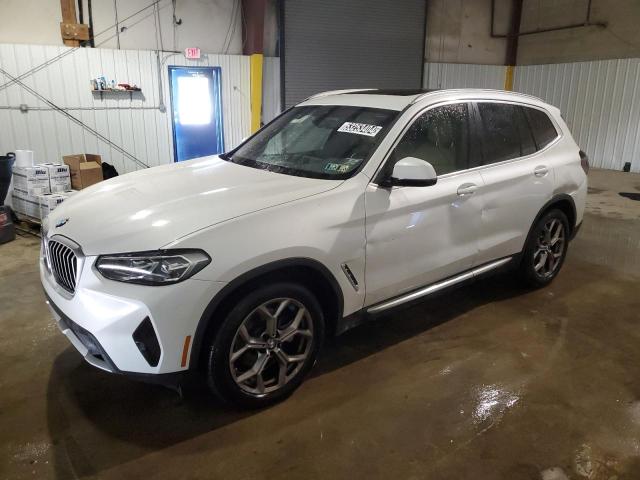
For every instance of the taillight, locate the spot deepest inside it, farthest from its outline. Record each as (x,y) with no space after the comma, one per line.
(584,162)
(4,219)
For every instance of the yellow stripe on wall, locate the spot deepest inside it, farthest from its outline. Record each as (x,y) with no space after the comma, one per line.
(256,90)
(508,78)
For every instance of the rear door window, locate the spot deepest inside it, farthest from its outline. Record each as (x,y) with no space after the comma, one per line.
(527,143)
(542,127)
(504,131)
(500,136)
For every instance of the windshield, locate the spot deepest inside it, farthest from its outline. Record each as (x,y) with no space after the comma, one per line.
(316,141)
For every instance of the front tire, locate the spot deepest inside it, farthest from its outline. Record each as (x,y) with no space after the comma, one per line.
(546,249)
(266,345)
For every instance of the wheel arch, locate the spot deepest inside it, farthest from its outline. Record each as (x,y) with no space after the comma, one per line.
(309,272)
(562,202)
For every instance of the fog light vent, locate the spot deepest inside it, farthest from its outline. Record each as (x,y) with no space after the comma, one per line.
(147,342)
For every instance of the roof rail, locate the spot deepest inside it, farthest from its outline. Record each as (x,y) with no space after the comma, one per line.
(480,90)
(337,92)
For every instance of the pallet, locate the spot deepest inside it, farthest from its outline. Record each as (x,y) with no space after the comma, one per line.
(30,222)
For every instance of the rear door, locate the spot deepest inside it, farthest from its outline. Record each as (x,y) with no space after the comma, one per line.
(518,179)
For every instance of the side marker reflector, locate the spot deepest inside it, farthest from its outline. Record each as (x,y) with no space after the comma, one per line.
(185,350)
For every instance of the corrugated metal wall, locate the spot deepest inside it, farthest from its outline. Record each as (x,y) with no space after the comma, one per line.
(270,89)
(599,100)
(460,75)
(136,125)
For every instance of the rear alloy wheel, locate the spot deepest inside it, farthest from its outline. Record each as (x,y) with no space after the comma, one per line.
(546,249)
(549,249)
(266,345)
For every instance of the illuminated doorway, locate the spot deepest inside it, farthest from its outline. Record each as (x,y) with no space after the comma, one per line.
(196,111)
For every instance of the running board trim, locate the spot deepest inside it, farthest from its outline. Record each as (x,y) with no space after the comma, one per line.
(435,287)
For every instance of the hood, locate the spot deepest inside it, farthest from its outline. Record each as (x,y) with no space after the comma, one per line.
(148,209)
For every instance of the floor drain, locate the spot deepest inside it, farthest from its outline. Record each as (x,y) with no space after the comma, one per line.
(631,195)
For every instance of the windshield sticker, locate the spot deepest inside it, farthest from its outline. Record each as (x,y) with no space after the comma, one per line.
(360,129)
(337,167)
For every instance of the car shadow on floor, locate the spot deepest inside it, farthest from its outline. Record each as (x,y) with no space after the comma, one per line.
(98,420)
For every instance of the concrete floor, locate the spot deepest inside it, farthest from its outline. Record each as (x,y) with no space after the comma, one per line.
(489,382)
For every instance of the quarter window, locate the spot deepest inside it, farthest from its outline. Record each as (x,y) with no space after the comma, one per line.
(542,127)
(440,136)
(505,132)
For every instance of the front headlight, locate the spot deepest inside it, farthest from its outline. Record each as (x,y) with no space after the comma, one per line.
(163,267)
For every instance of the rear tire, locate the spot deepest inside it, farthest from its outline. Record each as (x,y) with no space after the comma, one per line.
(546,250)
(266,345)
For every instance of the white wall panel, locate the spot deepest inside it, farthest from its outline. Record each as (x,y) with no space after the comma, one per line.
(136,125)
(460,75)
(271,89)
(600,102)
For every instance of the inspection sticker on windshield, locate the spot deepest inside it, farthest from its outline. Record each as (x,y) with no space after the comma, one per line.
(360,129)
(337,167)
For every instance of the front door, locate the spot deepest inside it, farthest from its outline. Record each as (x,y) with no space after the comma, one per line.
(419,235)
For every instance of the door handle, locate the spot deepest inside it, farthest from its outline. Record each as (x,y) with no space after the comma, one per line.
(467,189)
(540,171)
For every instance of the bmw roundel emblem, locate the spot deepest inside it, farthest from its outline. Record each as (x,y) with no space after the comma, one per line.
(62,222)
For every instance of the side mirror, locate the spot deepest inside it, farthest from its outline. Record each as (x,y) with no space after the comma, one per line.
(411,172)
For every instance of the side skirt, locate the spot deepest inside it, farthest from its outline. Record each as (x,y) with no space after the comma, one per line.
(367,313)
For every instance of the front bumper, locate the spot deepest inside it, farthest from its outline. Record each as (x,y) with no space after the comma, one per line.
(82,340)
(102,317)
(95,355)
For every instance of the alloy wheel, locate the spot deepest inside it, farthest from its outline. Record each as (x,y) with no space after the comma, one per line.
(271,346)
(549,248)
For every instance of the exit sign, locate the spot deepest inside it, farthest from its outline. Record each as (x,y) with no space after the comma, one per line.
(192,53)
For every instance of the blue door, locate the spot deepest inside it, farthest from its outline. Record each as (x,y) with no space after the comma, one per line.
(196,111)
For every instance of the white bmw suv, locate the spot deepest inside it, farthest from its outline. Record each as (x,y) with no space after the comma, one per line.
(345,206)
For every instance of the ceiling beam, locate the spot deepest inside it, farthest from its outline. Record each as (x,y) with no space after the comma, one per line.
(70,30)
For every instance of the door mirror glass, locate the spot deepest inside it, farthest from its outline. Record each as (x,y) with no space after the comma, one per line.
(412,172)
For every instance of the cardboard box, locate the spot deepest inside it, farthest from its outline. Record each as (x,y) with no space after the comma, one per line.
(25,204)
(59,177)
(48,203)
(17,201)
(85,169)
(33,180)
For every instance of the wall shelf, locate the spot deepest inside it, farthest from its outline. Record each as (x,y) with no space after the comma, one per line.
(116,94)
